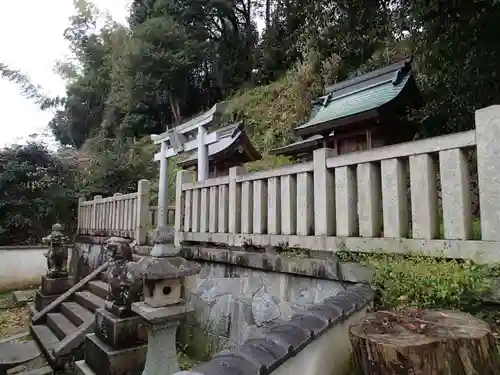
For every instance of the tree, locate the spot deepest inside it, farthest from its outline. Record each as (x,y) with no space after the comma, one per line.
(36,190)
(153,82)
(28,88)
(89,76)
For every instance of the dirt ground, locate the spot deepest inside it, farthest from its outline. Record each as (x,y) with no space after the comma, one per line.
(13,320)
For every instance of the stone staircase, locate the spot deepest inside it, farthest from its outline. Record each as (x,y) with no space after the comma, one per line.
(60,328)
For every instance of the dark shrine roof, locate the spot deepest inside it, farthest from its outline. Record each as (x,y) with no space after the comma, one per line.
(353,101)
(233,146)
(304,145)
(358,99)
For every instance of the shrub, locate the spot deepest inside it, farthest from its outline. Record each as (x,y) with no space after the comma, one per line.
(426,282)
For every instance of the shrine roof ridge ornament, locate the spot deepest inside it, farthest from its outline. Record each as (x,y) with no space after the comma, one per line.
(369,79)
(192,124)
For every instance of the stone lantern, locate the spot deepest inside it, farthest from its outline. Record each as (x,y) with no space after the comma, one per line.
(163,308)
(56,280)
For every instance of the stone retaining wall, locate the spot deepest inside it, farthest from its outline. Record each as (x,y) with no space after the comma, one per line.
(313,342)
(237,292)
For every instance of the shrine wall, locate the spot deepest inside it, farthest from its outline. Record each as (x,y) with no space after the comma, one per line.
(22,266)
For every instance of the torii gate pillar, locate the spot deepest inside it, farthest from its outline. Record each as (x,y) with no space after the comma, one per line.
(178,145)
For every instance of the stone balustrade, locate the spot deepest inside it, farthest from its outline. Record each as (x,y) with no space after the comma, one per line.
(123,215)
(411,196)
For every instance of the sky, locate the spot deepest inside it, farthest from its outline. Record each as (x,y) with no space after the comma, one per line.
(31,40)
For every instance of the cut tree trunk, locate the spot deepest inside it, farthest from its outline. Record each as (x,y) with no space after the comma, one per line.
(423,342)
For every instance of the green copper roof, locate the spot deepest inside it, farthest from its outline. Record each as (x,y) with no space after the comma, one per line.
(361,94)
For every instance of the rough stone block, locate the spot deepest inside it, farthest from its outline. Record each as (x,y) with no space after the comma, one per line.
(22,297)
(104,360)
(120,333)
(42,300)
(55,285)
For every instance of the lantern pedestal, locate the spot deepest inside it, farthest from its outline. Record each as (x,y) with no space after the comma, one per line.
(117,346)
(162,323)
(50,289)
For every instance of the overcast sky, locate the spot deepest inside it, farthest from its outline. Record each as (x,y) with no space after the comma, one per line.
(31,40)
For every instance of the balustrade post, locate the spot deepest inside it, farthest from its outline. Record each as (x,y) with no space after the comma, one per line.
(141,231)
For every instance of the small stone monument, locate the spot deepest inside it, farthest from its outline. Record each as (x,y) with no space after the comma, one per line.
(124,289)
(56,281)
(118,344)
(163,308)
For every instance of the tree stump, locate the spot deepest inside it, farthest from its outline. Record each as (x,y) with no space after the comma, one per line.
(423,342)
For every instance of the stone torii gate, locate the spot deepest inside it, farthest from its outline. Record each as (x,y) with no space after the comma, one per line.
(174,142)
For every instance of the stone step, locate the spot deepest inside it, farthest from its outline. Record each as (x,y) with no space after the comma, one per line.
(99,288)
(60,325)
(75,313)
(81,368)
(89,300)
(39,363)
(46,339)
(46,370)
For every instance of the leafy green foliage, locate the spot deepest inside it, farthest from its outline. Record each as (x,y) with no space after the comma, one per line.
(115,165)
(36,190)
(152,83)
(28,88)
(177,58)
(272,111)
(426,282)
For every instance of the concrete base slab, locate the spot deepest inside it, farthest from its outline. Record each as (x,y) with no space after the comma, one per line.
(13,354)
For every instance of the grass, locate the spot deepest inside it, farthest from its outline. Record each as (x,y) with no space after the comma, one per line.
(186,363)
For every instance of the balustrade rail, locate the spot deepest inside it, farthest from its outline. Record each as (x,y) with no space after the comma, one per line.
(153,216)
(124,215)
(413,196)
